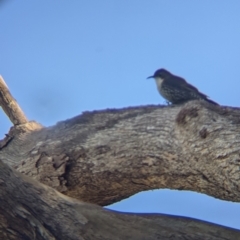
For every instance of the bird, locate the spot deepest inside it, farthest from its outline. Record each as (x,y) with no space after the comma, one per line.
(177,90)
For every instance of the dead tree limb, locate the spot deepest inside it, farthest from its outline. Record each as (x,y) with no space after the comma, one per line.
(10,105)
(104,156)
(30,210)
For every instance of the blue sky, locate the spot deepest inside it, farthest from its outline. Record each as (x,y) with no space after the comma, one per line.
(60,58)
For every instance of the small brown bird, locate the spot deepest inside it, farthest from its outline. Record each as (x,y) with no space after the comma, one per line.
(175,89)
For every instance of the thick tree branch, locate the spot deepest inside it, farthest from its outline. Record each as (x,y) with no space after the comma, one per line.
(30,210)
(105,156)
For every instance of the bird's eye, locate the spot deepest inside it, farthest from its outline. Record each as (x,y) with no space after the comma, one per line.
(160,75)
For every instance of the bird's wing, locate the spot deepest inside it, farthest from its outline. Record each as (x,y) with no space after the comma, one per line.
(184,85)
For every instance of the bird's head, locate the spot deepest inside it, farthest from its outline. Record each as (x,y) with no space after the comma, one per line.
(160,75)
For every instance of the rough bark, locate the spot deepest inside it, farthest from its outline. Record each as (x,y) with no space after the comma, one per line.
(105,156)
(30,210)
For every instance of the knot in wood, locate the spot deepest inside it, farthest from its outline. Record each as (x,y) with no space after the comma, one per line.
(186,114)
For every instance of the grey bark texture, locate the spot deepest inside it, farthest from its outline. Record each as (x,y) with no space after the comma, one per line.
(105,156)
(30,210)
(102,157)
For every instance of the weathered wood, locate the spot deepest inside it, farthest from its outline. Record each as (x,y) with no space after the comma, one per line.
(102,157)
(30,210)
(10,105)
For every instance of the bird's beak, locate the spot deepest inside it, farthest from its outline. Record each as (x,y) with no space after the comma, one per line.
(150,77)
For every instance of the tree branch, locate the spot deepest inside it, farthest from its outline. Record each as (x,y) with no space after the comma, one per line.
(30,210)
(105,156)
(10,105)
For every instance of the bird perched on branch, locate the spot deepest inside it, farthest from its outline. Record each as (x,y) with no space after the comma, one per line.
(175,89)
